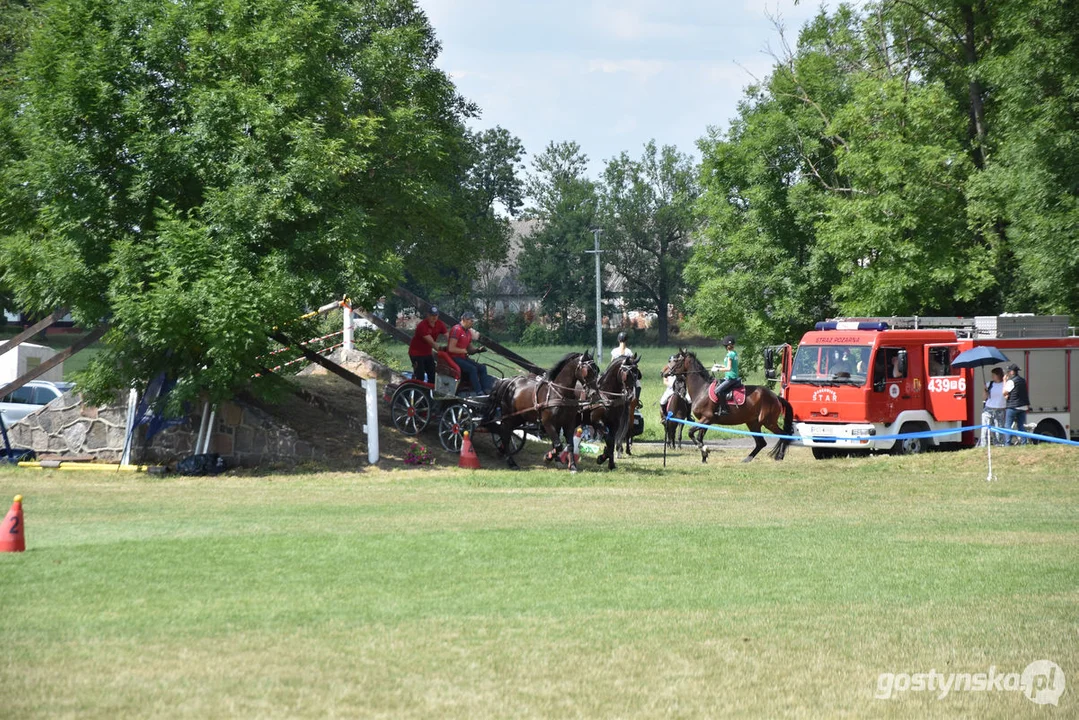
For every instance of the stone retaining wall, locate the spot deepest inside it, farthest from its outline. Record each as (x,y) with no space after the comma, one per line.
(243,435)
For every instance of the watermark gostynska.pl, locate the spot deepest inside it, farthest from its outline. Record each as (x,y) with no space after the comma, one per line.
(1041,682)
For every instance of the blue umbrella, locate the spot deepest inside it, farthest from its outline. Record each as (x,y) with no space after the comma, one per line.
(978,357)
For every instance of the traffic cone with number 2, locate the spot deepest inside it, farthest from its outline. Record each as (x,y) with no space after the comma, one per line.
(12,537)
(468,458)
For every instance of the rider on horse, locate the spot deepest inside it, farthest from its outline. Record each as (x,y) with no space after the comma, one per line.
(729,368)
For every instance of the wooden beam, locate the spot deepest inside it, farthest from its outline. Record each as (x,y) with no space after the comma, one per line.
(32,330)
(88,339)
(318,359)
(386,327)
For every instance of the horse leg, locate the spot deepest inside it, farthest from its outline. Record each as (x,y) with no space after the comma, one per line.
(758,441)
(505,433)
(705,418)
(612,433)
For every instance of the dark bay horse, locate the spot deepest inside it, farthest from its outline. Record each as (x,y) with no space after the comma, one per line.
(762,407)
(549,400)
(678,407)
(614,412)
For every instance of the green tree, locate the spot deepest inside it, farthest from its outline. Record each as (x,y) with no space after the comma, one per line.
(648,220)
(197,173)
(756,269)
(488,191)
(1029,192)
(554,264)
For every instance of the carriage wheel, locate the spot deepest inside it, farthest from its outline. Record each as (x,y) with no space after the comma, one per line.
(410,409)
(456,420)
(517,440)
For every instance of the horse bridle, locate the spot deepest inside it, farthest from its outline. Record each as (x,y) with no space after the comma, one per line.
(682,361)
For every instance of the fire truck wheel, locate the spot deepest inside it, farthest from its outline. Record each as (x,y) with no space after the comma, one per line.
(1049,428)
(823,453)
(910,446)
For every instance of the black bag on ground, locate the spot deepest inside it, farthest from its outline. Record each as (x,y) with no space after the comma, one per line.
(204,464)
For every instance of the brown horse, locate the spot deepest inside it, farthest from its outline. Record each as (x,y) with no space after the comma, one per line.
(678,407)
(762,407)
(549,400)
(614,413)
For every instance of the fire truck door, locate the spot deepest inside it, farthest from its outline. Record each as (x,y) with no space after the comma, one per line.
(946,387)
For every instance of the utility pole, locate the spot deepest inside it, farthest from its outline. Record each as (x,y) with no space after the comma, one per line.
(599,303)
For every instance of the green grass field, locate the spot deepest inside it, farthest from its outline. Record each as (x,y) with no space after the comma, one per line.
(768,589)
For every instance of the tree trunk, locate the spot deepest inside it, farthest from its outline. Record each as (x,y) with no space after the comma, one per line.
(977,105)
(662,319)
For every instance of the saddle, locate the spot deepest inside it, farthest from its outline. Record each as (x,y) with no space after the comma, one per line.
(735,396)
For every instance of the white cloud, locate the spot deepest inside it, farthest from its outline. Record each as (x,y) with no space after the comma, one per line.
(626,23)
(638,69)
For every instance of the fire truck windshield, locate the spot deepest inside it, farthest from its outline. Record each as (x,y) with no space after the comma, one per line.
(831,365)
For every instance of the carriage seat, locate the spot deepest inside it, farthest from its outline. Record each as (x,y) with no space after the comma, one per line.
(449,379)
(446,365)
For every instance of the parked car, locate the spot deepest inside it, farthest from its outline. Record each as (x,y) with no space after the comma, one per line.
(30,397)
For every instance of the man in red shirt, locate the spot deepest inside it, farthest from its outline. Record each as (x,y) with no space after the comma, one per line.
(460,338)
(422,348)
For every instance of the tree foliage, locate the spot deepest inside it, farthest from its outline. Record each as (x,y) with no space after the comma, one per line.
(555,264)
(647,214)
(912,157)
(196,173)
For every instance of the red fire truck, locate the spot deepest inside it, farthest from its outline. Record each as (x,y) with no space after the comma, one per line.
(853,379)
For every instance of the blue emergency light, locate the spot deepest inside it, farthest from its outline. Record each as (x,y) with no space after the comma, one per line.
(851,325)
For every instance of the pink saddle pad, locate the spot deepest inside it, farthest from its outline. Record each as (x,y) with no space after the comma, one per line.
(737,396)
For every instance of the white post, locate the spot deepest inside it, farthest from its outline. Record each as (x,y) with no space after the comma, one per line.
(346,313)
(209,431)
(599,305)
(129,432)
(202,428)
(371,428)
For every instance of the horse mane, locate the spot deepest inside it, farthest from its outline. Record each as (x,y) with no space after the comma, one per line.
(561,364)
(691,354)
(612,368)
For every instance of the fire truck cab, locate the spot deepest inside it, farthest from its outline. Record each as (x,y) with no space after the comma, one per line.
(854,379)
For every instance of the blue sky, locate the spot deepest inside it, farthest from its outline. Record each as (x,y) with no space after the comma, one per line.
(610,75)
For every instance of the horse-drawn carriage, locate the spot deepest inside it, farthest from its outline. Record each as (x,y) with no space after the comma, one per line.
(552,404)
(451,401)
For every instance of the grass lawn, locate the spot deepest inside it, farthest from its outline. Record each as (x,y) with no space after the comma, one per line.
(768,589)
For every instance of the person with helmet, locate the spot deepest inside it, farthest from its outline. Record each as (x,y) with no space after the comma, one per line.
(461,337)
(729,370)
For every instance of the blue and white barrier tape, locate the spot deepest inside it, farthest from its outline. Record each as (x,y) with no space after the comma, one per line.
(901,436)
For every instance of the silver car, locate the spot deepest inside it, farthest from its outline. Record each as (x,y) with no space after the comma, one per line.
(30,397)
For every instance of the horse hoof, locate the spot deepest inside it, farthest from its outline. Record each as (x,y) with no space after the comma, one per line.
(748,459)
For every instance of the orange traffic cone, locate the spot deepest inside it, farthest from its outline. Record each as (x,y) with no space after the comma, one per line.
(12,537)
(468,458)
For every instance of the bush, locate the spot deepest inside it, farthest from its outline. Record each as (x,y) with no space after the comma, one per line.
(535,335)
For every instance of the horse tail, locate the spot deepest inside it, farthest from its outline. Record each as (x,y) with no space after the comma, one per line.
(780,450)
